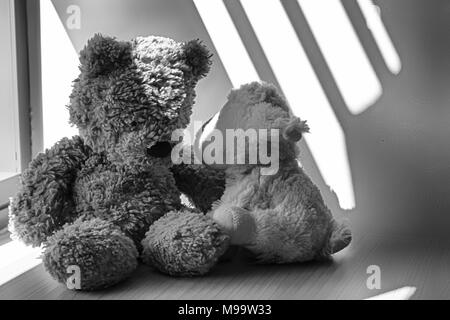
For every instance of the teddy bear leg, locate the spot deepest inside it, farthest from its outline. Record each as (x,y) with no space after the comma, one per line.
(184,243)
(94,250)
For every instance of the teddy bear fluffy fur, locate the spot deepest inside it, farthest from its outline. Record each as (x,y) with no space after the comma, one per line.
(90,199)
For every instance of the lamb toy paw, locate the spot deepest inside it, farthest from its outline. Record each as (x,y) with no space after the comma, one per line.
(271,208)
(89,200)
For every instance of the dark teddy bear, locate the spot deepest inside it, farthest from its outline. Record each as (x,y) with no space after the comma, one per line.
(274,211)
(90,199)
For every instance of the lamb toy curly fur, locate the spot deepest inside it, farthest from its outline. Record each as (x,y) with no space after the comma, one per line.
(279,217)
(90,199)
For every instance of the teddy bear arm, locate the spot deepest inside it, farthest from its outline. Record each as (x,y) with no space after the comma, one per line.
(201,184)
(44,201)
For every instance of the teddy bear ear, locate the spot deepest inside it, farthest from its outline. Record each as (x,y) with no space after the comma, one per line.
(103,54)
(198,58)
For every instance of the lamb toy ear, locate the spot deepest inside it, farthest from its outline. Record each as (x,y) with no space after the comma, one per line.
(198,58)
(103,54)
(295,129)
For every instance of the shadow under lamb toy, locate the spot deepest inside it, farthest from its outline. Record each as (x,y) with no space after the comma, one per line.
(279,215)
(89,200)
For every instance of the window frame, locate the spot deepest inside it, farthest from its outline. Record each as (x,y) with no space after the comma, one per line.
(25,77)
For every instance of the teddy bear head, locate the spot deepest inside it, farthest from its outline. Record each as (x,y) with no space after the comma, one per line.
(257,118)
(131,95)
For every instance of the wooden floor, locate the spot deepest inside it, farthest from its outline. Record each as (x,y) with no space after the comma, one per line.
(402,261)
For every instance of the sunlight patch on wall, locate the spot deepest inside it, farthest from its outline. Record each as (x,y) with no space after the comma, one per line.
(343,52)
(59,68)
(305,95)
(225,38)
(375,24)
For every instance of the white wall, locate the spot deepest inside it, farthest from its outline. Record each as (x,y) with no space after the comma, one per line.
(8,97)
(59,65)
